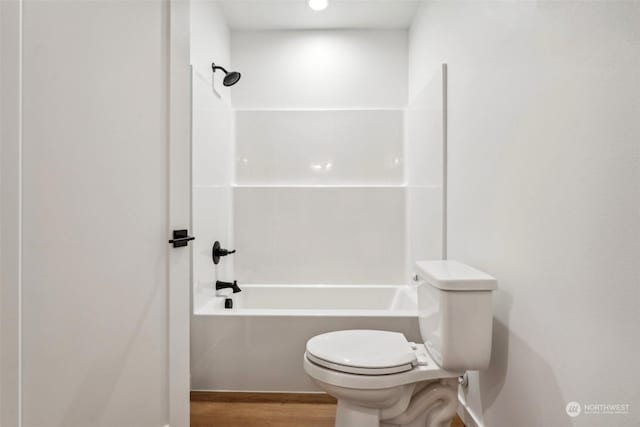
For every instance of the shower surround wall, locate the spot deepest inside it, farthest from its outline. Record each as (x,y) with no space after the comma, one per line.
(424,171)
(212,147)
(319,197)
(319,194)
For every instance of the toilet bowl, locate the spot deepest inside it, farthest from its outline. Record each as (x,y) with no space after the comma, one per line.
(381,380)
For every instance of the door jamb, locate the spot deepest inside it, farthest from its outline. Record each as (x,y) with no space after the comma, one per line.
(11,213)
(179,201)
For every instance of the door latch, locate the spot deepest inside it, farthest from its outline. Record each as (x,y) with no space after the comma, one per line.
(181,238)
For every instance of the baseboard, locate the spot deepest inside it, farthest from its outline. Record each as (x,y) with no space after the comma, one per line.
(260,397)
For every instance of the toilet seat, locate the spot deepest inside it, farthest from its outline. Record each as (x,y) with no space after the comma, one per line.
(363,352)
(423,372)
(357,370)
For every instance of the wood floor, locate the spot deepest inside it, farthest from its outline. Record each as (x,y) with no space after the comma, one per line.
(220,411)
(244,414)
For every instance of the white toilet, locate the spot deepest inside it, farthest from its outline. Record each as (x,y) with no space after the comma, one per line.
(380,379)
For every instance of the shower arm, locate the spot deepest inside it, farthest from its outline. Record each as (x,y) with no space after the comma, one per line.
(215,67)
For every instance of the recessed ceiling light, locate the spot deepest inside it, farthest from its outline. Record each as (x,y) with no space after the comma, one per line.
(318,4)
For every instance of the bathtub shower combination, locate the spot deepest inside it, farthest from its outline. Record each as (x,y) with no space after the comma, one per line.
(327,184)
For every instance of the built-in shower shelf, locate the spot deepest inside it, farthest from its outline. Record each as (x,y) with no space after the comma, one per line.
(319,185)
(302,109)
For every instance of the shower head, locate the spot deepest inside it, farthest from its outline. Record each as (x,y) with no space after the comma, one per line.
(230,78)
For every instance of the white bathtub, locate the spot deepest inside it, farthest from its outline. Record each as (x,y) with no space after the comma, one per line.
(258,344)
(317,300)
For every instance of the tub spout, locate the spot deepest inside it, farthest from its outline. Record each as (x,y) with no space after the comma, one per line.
(228,285)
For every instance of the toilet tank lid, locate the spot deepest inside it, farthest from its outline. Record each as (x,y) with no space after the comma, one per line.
(450,275)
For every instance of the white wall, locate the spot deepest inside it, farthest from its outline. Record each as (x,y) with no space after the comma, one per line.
(320,69)
(544,194)
(212,148)
(94,214)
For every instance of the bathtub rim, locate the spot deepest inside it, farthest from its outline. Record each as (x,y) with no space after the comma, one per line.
(207,310)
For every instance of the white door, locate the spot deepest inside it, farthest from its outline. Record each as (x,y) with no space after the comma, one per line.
(180,259)
(95,175)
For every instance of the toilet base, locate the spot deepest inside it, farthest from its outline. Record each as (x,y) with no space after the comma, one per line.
(350,415)
(426,396)
(430,404)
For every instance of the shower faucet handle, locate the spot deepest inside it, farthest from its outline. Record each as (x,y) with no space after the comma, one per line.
(217,252)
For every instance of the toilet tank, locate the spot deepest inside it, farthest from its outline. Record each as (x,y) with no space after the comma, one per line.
(455,313)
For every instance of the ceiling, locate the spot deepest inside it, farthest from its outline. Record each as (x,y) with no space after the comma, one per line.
(296,14)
